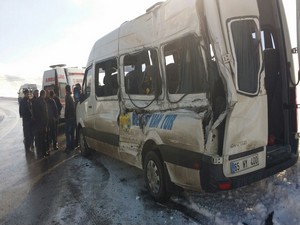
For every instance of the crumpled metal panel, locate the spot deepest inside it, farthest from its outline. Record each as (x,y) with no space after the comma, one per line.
(172,19)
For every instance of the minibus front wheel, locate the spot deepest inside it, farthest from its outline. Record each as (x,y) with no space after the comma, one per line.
(154,177)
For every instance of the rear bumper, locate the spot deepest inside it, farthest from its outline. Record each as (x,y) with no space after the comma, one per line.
(212,175)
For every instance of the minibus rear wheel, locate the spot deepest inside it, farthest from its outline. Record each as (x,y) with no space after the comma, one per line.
(154,177)
(84,149)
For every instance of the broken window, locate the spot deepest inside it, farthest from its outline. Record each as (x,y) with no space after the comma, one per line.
(247,52)
(185,69)
(106,78)
(142,75)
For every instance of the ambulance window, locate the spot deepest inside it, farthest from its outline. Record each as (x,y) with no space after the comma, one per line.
(142,75)
(87,83)
(185,70)
(106,78)
(246,39)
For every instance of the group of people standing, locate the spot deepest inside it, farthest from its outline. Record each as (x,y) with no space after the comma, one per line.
(40,116)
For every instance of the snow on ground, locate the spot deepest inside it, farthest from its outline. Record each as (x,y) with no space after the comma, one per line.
(277,197)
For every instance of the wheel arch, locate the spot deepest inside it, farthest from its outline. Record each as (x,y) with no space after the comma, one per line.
(150,145)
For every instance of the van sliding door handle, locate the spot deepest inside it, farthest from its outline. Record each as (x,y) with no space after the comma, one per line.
(90,106)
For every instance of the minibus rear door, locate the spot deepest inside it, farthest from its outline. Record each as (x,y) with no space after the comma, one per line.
(246,128)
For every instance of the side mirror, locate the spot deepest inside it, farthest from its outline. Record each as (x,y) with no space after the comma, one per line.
(77,94)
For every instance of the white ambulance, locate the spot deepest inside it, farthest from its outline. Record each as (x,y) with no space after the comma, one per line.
(74,76)
(58,77)
(200,94)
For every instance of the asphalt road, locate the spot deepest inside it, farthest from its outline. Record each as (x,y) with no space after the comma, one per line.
(67,188)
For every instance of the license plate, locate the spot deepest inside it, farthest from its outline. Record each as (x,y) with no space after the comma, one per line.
(244,163)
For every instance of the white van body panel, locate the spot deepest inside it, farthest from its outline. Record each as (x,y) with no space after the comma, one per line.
(242,132)
(173,19)
(106,47)
(184,177)
(200,147)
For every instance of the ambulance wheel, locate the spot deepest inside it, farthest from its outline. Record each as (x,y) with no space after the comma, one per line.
(84,149)
(155,178)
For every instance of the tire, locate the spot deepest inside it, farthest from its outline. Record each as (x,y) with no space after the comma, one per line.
(155,178)
(84,149)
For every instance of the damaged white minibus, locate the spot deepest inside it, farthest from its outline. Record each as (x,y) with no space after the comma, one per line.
(199,94)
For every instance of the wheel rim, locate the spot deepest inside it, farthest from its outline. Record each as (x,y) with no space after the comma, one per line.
(153,176)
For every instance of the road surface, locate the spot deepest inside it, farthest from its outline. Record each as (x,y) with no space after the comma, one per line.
(66,188)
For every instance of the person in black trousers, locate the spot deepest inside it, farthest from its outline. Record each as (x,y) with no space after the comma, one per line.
(26,115)
(52,121)
(70,118)
(33,100)
(40,112)
(57,101)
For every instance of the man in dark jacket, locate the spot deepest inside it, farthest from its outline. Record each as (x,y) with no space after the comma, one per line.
(40,113)
(33,101)
(25,114)
(57,101)
(70,118)
(52,121)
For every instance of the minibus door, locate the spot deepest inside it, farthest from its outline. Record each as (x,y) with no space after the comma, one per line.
(246,128)
(85,108)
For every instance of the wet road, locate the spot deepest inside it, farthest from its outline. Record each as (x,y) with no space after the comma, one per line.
(66,188)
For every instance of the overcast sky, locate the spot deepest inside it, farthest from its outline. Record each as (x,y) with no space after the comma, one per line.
(35,34)
(39,33)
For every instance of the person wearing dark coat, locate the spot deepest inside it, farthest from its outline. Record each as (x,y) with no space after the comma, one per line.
(40,113)
(33,101)
(57,101)
(76,95)
(26,115)
(52,121)
(70,118)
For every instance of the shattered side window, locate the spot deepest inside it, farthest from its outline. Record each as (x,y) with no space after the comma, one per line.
(246,40)
(185,70)
(142,74)
(106,78)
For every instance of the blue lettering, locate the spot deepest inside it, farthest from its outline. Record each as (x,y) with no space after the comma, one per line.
(168,121)
(146,118)
(134,119)
(155,120)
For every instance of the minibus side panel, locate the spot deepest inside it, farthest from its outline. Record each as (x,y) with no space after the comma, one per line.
(106,129)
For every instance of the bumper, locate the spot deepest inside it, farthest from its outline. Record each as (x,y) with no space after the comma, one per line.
(212,175)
